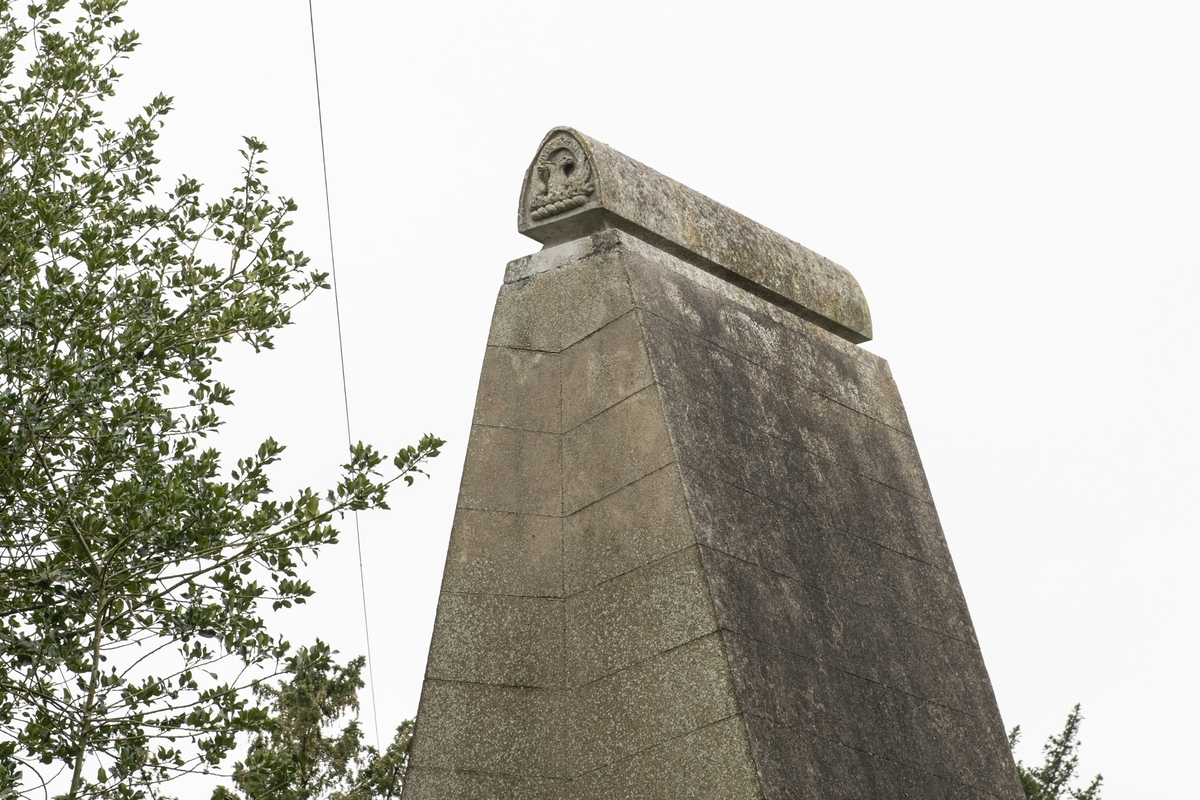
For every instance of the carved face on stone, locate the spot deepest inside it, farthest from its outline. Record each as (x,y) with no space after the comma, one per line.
(562,178)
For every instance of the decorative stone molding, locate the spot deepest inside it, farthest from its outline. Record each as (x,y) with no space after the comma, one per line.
(562,178)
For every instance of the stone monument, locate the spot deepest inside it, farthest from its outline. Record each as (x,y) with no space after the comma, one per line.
(695,554)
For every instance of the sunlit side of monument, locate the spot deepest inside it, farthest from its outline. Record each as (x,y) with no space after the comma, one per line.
(695,554)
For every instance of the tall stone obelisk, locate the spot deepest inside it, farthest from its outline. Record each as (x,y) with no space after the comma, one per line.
(695,554)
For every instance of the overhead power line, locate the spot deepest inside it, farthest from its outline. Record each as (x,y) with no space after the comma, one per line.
(362,581)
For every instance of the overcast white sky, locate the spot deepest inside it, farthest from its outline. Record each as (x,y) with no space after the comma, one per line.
(1014,186)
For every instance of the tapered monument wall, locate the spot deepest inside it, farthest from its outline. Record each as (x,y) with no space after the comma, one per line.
(695,554)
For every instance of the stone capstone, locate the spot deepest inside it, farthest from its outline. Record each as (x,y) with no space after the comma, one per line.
(578,186)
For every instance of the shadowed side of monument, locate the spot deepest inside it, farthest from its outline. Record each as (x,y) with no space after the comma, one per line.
(695,554)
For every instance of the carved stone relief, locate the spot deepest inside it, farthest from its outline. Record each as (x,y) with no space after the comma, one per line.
(562,178)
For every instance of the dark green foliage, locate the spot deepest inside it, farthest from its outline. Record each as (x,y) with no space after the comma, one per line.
(309,750)
(135,562)
(1052,780)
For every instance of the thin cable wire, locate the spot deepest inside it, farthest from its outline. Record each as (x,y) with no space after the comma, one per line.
(362,580)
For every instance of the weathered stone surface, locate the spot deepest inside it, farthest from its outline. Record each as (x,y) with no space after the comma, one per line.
(652,702)
(723,447)
(553,310)
(712,763)
(786,540)
(519,389)
(637,615)
(484,638)
(808,621)
(496,552)
(793,765)
(479,727)
(631,527)
(695,554)
(577,186)
(740,323)
(613,449)
(775,404)
(603,369)
(844,708)
(441,784)
(512,470)
(896,520)
(551,258)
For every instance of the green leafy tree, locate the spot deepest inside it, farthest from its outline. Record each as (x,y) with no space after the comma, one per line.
(136,563)
(1052,780)
(312,747)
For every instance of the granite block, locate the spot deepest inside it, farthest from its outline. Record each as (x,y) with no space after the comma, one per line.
(516,641)
(639,614)
(498,552)
(814,698)
(789,541)
(443,784)
(769,337)
(840,634)
(629,528)
(652,702)
(843,708)
(737,386)
(753,528)
(967,749)
(553,257)
(777,405)
(488,728)
(552,310)
(711,375)
(794,765)
(614,449)
(723,447)
(519,389)
(603,369)
(870,448)
(512,470)
(712,763)
(894,519)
